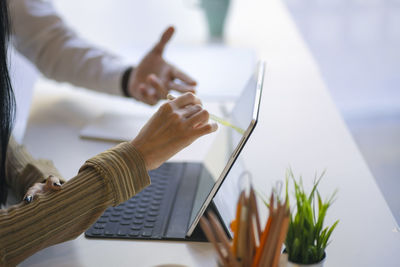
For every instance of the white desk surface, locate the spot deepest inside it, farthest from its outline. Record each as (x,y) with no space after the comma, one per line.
(299,127)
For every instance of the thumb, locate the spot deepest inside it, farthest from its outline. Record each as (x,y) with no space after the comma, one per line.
(166,36)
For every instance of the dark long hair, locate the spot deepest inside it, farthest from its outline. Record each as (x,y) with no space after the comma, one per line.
(7,101)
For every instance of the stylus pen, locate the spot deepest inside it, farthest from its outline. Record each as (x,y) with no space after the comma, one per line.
(226,123)
(217,119)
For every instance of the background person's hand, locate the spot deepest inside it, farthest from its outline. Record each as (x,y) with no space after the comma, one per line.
(151,80)
(52,183)
(175,125)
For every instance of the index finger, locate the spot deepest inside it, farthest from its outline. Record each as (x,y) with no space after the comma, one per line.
(166,36)
(178,74)
(185,99)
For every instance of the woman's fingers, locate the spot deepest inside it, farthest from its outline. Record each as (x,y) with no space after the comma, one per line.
(175,125)
(182,88)
(199,118)
(33,191)
(206,129)
(198,121)
(190,110)
(185,99)
(178,74)
(52,183)
(194,114)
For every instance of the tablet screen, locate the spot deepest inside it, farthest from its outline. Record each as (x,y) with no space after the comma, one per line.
(232,134)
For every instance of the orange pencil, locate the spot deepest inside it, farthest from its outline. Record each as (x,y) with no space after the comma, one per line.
(205,226)
(219,231)
(268,243)
(253,202)
(242,235)
(236,224)
(282,237)
(269,257)
(264,235)
(251,242)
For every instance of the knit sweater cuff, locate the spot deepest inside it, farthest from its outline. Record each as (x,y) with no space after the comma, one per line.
(124,168)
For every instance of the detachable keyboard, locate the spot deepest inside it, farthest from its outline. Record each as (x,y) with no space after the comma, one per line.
(144,216)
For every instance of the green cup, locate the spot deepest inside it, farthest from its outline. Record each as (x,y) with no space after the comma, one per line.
(215,12)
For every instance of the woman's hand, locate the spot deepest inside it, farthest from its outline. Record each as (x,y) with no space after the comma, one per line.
(52,183)
(174,126)
(151,80)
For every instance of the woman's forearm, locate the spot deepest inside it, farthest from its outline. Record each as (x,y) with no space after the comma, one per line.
(54,217)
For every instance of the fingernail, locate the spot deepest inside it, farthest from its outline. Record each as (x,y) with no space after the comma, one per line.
(56,184)
(28,199)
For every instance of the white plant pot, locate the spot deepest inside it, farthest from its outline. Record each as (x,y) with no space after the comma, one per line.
(318,264)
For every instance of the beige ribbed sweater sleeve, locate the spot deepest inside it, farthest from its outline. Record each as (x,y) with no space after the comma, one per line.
(107,179)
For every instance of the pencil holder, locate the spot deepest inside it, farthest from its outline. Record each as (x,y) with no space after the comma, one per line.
(252,245)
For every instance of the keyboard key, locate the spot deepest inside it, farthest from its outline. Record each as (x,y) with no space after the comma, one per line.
(134,233)
(133,200)
(109,232)
(128,212)
(143,205)
(149,225)
(102,220)
(127,216)
(116,214)
(154,208)
(151,219)
(138,221)
(152,213)
(139,216)
(99,226)
(145,199)
(114,219)
(97,231)
(131,206)
(158,197)
(142,210)
(125,222)
(147,233)
(136,227)
(121,232)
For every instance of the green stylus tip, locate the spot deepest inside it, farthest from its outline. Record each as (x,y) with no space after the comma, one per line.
(226,123)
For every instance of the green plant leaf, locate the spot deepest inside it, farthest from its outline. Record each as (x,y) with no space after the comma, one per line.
(328,234)
(307,238)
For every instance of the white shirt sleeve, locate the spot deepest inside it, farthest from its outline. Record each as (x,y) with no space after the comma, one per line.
(40,35)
